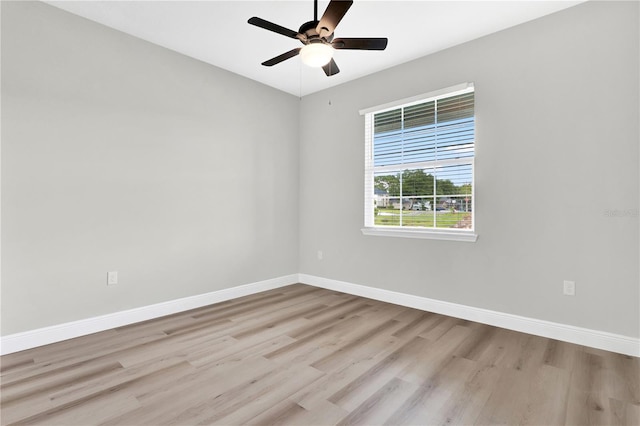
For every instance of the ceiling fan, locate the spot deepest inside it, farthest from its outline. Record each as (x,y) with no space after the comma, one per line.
(318,38)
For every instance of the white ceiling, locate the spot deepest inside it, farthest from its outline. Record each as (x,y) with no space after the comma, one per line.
(217,32)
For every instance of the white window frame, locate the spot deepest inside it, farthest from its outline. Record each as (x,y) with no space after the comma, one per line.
(467,235)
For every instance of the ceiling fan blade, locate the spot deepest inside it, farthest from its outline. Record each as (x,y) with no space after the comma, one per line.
(332,16)
(331,68)
(290,54)
(360,43)
(259,22)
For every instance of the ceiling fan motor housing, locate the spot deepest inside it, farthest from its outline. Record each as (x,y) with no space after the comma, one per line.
(312,36)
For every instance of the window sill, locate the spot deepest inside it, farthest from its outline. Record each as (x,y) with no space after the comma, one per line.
(430,234)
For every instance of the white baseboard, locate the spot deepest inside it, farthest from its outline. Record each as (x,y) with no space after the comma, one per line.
(581,336)
(56,333)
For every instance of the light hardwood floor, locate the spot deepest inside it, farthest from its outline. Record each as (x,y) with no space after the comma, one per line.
(301,355)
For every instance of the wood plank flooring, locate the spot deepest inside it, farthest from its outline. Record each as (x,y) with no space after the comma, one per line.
(301,355)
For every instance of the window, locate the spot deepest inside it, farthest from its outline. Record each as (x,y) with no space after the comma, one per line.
(419,156)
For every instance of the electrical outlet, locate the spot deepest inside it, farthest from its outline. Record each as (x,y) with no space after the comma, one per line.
(112,277)
(320,255)
(569,288)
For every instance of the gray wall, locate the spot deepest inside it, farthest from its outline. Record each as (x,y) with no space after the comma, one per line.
(557,146)
(121,155)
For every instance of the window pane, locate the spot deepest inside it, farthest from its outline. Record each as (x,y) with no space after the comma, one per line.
(388,148)
(388,216)
(418,191)
(453,197)
(455,139)
(388,121)
(419,144)
(386,199)
(420,115)
(456,127)
(456,107)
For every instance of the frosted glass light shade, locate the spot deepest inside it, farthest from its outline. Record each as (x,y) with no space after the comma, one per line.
(316,54)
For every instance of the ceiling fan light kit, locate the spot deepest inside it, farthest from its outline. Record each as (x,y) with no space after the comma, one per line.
(316,54)
(318,38)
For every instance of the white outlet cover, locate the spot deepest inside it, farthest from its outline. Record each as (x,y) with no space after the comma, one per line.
(112,277)
(569,288)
